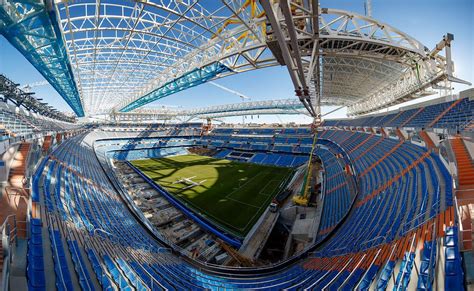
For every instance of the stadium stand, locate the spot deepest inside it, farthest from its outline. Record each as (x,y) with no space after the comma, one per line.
(382,200)
(84,211)
(452,115)
(337,198)
(18,122)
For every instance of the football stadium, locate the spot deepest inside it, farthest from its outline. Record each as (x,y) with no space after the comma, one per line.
(236,145)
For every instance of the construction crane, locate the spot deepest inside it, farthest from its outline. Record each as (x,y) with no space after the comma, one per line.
(303,197)
(242,96)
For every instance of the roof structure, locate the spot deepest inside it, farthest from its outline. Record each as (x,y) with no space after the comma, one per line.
(32,27)
(267,107)
(121,55)
(10,91)
(343,57)
(126,54)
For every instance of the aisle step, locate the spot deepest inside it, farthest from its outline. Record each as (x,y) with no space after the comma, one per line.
(464,162)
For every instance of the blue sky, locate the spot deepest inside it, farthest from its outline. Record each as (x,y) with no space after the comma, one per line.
(425,20)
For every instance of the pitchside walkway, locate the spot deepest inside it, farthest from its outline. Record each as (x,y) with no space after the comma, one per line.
(252,248)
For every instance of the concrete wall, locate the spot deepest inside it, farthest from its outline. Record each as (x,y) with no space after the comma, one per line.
(7,158)
(434,137)
(467,93)
(470,146)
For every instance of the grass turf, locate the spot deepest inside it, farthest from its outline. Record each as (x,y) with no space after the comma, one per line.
(233,195)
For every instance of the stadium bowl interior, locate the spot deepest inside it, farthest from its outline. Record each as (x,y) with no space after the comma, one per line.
(109,192)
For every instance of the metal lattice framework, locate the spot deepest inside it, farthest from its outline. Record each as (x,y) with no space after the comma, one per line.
(32,27)
(121,55)
(339,55)
(283,106)
(10,91)
(267,107)
(126,52)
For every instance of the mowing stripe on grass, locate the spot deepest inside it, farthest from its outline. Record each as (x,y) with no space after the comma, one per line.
(234,194)
(271,188)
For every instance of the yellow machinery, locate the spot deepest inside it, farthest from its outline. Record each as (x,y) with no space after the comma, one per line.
(303,198)
(249,6)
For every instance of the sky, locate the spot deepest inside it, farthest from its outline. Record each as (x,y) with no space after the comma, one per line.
(425,20)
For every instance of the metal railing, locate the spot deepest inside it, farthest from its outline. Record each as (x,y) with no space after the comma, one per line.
(392,252)
(154,281)
(458,217)
(419,219)
(80,263)
(432,254)
(350,275)
(375,238)
(56,254)
(22,194)
(367,270)
(9,238)
(405,270)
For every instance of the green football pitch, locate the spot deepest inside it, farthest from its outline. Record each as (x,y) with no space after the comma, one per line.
(232,195)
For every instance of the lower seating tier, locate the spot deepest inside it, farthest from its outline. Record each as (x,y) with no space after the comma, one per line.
(402,207)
